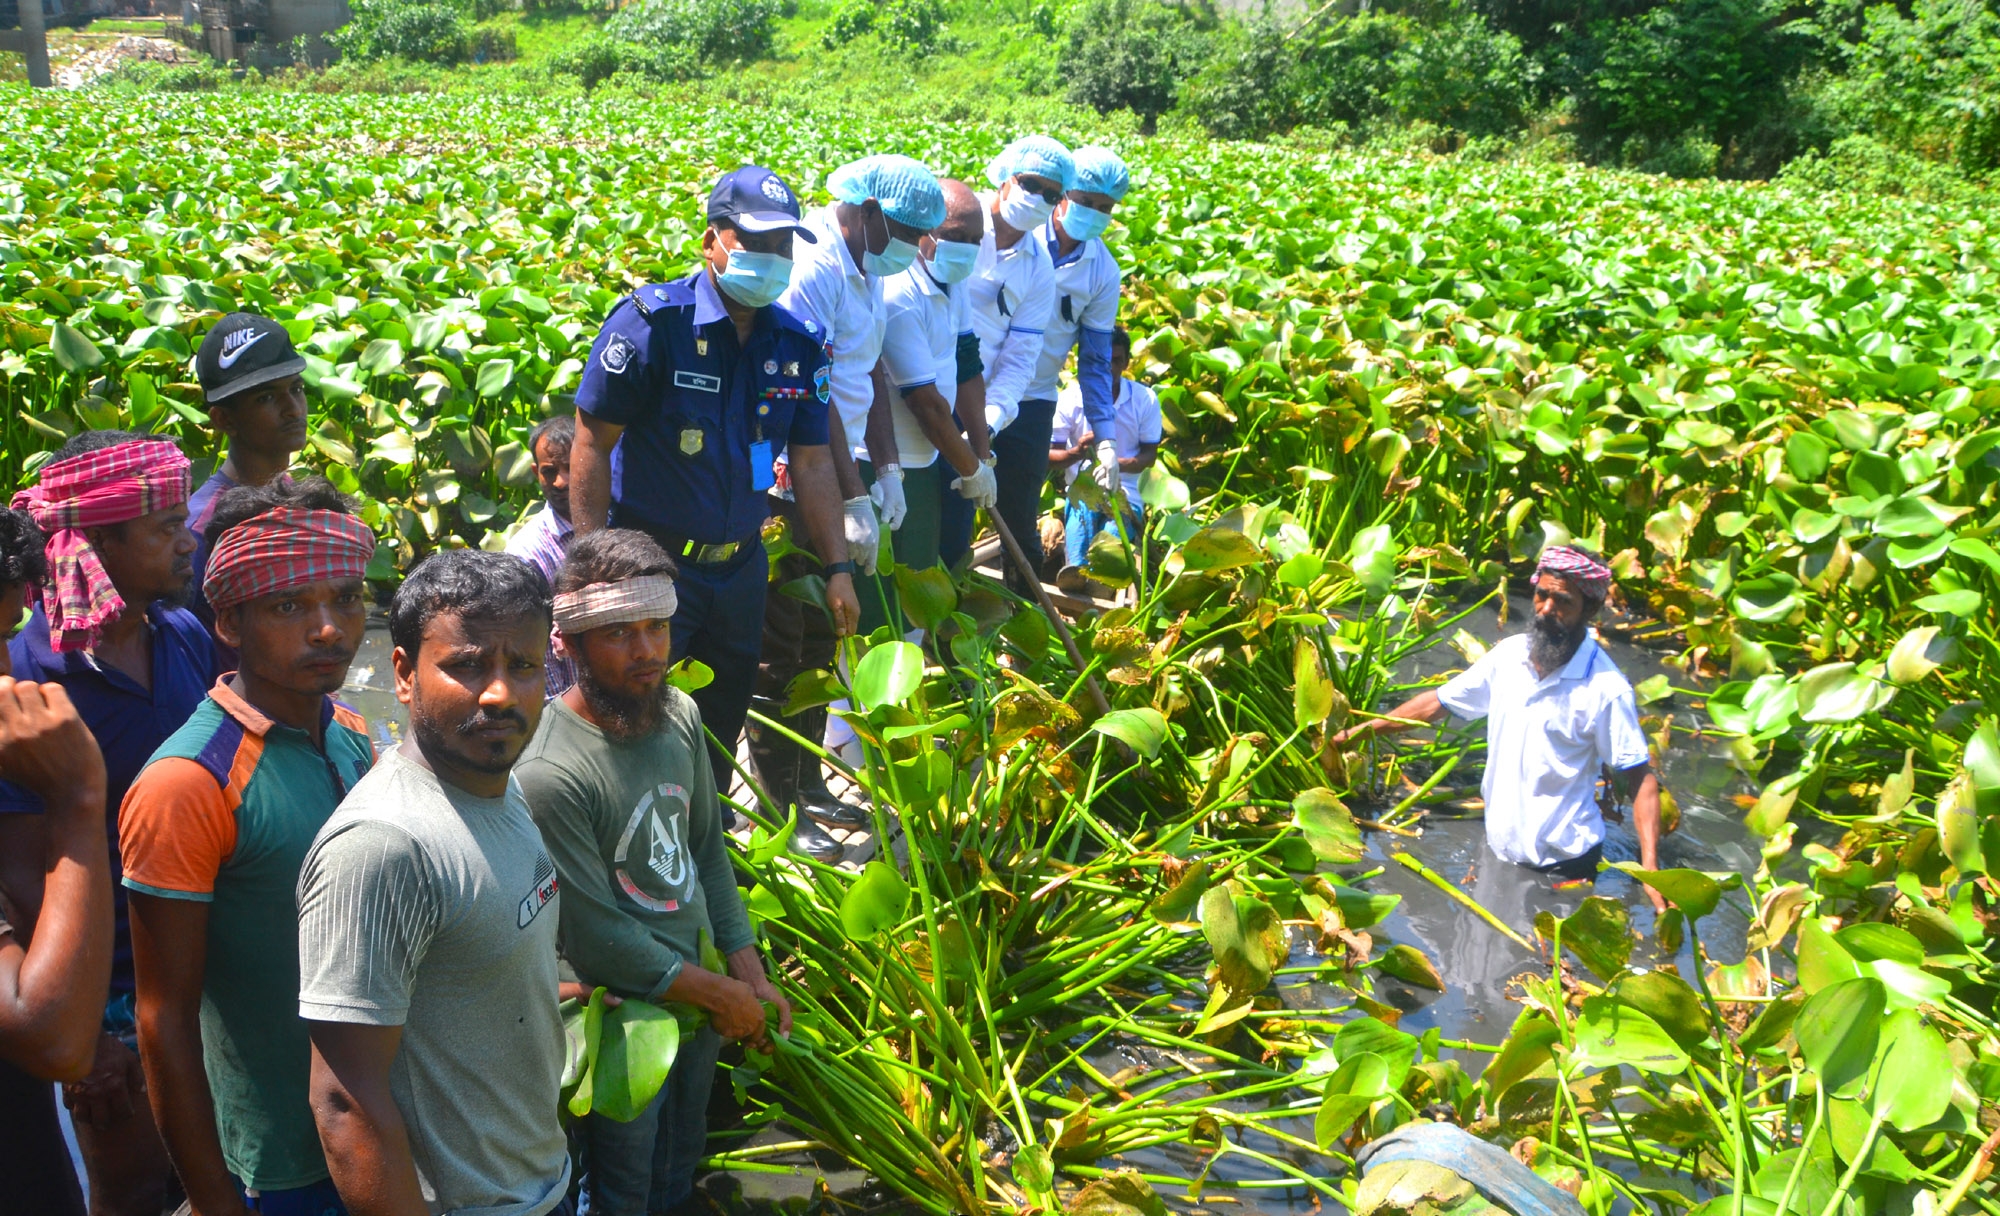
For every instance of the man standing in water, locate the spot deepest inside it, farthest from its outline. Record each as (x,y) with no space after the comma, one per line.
(1557,711)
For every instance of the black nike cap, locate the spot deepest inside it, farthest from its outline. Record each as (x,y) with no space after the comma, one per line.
(242,351)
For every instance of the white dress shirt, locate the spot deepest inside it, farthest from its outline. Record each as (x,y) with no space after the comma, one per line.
(827,287)
(919,347)
(1086,287)
(1546,738)
(1137,411)
(1010,295)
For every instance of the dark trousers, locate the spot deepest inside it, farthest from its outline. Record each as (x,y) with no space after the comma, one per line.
(955,518)
(720,624)
(648,1165)
(1021,469)
(915,544)
(797,637)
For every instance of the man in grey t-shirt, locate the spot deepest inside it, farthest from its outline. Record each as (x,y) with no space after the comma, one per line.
(427,923)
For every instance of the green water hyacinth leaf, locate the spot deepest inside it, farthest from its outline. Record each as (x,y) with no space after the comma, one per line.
(1665,997)
(1372,557)
(1958,826)
(1694,892)
(1767,600)
(1963,603)
(1142,730)
(495,375)
(888,674)
(584,1027)
(1173,905)
(74,352)
(1916,517)
(1701,434)
(1838,1029)
(1328,826)
(1160,490)
(1216,549)
(1301,570)
(1609,1033)
(639,1044)
(1811,527)
(1034,1169)
(1841,692)
(1599,933)
(1757,708)
(382,356)
(1807,456)
(1913,1087)
(1911,660)
(927,595)
(1246,936)
(1774,804)
(1397,1049)
(875,903)
(1410,965)
(1361,1080)
(1312,692)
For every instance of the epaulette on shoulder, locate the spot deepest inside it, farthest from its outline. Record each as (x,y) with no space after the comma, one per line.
(785,318)
(656,296)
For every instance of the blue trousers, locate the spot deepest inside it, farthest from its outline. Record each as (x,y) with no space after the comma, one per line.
(1022,466)
(319,1199)
(647,1166)
(720,623)
(1081,524)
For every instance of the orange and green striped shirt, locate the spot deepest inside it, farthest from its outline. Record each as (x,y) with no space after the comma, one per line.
(224,814)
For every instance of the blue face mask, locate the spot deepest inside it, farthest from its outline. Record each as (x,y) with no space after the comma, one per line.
(893,260)
(1083,223)
(755,279)
(954,261)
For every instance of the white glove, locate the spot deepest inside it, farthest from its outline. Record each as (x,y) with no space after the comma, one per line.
(1106,471)
(888,495)
(864,535)
(978,486)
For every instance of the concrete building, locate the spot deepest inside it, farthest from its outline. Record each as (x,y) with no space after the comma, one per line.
(259,32)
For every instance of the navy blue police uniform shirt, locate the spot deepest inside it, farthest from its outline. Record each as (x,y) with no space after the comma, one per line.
(696,405)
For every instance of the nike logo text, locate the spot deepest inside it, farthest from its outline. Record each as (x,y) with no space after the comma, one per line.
(227,359)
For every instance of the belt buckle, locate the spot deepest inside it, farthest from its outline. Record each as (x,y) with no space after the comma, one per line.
(712,554)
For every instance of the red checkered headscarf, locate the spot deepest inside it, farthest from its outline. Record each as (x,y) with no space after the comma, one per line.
(283,548)
(1579,567)
(95,490)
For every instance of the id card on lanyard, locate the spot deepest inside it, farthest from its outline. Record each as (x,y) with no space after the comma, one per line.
(762,475)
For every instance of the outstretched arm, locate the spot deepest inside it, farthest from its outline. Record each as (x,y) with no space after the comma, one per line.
(1420,710)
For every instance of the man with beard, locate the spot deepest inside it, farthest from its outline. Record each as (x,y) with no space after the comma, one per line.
(617,780)
(427,922)
(214,832)
(109,627)
(1557,712)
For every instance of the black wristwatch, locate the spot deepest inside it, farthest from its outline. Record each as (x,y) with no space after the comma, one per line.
(845,567)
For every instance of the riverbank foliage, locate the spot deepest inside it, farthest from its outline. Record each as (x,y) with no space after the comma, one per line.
(1388,379)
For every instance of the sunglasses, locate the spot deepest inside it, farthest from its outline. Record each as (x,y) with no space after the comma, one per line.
(1050,194)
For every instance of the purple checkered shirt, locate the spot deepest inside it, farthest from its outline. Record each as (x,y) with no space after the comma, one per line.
(543,542)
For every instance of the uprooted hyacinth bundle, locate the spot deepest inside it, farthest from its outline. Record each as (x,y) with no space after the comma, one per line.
(1385,382)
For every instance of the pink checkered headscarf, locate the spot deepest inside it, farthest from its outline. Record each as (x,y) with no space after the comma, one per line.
(283,548)
(1577,566)
(94,490)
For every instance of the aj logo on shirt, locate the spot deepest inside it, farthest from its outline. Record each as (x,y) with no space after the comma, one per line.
(546,886)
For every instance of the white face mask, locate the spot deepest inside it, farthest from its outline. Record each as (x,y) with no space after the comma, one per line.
(1022,211)
(954,261)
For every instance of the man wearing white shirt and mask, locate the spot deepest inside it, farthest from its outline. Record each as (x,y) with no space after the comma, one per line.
(1086,310)
(927,317)
(1012,295)
(883,205)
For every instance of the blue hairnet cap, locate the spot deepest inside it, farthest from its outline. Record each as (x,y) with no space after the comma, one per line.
(908,192)
(1036,154)
(1101,171)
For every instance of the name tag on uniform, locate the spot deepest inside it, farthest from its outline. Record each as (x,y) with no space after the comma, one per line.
(695,380)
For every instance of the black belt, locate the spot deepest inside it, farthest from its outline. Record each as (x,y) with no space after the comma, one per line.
(692,552)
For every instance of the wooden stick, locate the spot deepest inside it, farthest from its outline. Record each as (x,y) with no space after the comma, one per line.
(1443,884)
(1034,579)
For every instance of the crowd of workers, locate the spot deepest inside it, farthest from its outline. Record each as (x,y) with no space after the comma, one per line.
(274,971)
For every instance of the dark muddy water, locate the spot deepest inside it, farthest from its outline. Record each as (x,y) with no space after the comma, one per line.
(1476,961)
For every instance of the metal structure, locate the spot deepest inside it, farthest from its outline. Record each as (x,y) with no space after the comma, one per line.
(24,28)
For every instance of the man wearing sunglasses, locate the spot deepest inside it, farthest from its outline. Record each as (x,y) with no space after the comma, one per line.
(1011,296)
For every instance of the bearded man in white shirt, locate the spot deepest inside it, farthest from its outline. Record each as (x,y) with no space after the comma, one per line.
(1557,713)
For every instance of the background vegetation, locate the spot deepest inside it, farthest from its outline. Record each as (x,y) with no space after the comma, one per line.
(1897,98)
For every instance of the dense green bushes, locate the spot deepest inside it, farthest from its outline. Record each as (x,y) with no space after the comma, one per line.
(671,40)
(418,31)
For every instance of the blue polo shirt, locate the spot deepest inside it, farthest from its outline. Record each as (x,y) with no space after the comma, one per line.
(695,403)
(130,723)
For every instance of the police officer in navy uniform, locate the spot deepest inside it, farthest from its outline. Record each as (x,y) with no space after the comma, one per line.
(693,388)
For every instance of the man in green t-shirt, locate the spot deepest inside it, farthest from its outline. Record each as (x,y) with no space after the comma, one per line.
(617,778)
(213,833)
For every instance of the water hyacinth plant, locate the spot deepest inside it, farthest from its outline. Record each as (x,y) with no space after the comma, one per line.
(1094,968)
